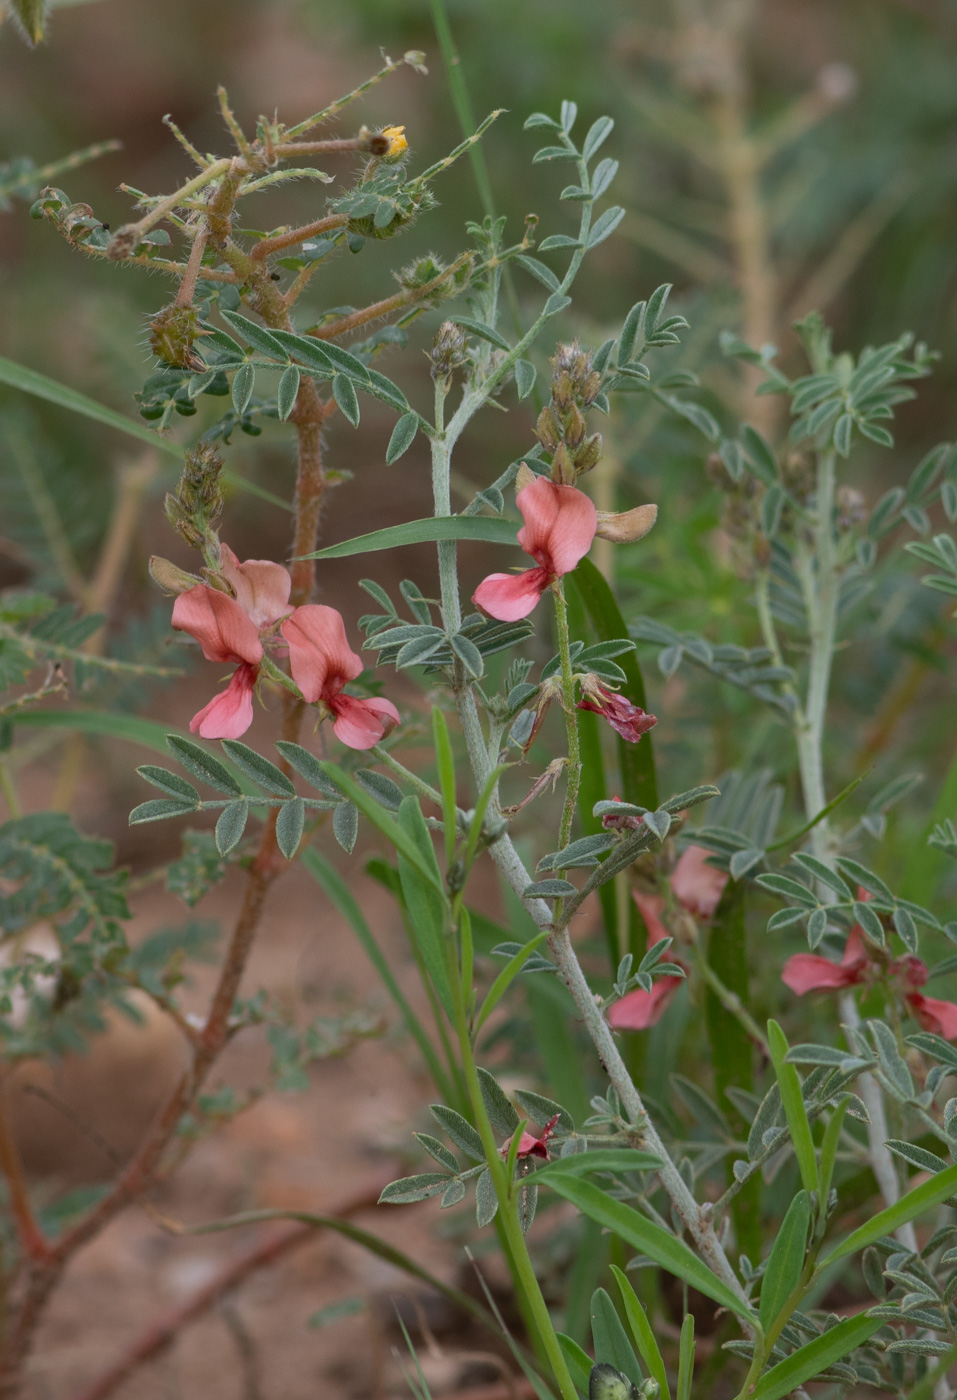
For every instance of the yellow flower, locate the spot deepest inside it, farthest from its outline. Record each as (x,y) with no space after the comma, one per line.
(397,142)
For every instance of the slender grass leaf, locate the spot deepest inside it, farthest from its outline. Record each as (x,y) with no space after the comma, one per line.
(446,527)
(789,1084)
(923,1197)
(652,1240)
(599,1159)
(786,1260)
(610,1338)
(815,1357)
(637,1320)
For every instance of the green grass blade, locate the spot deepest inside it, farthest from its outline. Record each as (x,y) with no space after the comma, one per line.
(930,1193)
(685,1359)
(446,767)
(643,1234)
(816,1356)
(338,891)
(447,527)
(644,1337)
(793,1101)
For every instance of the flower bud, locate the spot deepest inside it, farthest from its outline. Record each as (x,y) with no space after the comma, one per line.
(588,455)
(547,429)
(123,242)
(448,350)
(625,526)
(172,333)
(170,577)
(563,468)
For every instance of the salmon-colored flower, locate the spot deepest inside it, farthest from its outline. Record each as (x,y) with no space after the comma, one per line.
(322,662)
(638,1010)
(229,629)
(696,884)
(626,719)
(807,972)
(560,524)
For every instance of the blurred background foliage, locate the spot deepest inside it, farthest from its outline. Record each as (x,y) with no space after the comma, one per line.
(774,158)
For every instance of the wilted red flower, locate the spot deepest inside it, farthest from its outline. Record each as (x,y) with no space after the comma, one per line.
(530,1146)
(626,719)
(229,629)
(322,662)
(560,524)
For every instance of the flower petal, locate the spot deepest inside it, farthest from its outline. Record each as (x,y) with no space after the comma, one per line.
(320,658)
(806,972)
(639,1010)
(510,596)
(361,723)
(224,631)
(261,587)
(560,524)
(933,1015)
(696,884)
(650,907)
(628,720)
(229,714)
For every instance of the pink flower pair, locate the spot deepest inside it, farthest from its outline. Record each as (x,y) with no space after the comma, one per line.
(560,524)
(234,629)
(698,888)
(807,972)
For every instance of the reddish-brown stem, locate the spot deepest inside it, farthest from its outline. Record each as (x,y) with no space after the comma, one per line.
(187,288)
(290,149)
(160,1333)
(389,304)
(33,1242)
(267,246)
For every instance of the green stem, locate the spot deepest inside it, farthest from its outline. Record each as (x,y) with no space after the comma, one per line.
(423,788)
(8,789)
(820,584)
(571,716)
(507,1204)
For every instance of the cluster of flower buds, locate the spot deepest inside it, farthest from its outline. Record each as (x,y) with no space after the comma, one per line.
(197,502)
(561,427)
(173,332)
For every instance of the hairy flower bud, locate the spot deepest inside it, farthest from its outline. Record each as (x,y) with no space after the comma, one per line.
(198,500)
(123,242)
(172,334)
(588,455)
(563,468)
(547,429)
(626,526)
(170,577)
(448,350)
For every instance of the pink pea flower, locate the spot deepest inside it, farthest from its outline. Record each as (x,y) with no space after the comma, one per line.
(626,719)
(560,524)
(531,1146)
(696,884)
(322,662)
(638,1010)
(806,972)
(229,629)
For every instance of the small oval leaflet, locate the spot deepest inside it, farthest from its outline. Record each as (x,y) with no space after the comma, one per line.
(343,391)
(231,825)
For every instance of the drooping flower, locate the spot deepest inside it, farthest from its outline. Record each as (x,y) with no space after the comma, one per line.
(531,1146)
(626,719)
(229,629)
(807,972)
(560,524)
(322,662)
(638,1010)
